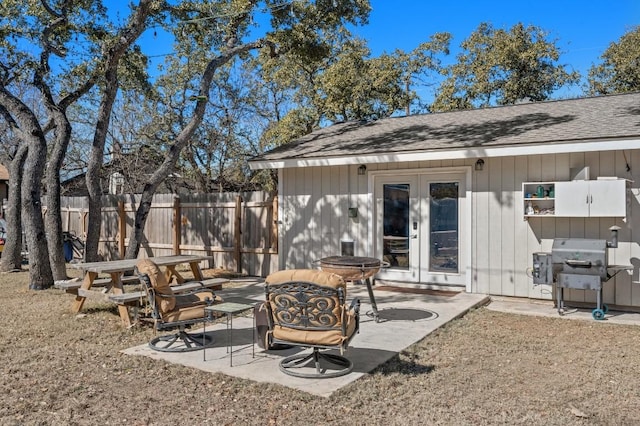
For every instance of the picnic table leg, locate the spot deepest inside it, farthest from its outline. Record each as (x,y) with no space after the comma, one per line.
(86,285)
(197,272)
(170,272)
(116,282)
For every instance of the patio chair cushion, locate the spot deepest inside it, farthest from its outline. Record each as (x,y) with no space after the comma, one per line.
(329,338)
(316,276)
(166,302)
(184,313)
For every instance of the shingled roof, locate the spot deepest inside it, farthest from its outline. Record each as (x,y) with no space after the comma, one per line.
(614,117)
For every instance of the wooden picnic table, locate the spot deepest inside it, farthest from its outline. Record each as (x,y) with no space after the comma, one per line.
(117,268)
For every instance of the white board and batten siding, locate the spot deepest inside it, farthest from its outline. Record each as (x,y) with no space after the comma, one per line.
(315,203)
(314,215)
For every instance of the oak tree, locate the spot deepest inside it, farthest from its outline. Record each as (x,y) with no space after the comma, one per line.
(502,67)
(619,71)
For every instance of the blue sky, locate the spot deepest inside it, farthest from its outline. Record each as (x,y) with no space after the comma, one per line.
(583,29)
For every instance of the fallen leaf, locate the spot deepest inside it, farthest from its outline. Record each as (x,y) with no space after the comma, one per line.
(578,413)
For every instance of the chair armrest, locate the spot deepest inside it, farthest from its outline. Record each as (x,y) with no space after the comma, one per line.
(189,295)
(355,305)
(209,283)
(194,291)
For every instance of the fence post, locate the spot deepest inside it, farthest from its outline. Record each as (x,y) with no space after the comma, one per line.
(68,217)
(84,215)
(237,234)
(177,223)
(122,228)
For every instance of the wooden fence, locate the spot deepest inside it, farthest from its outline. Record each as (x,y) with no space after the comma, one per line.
(239,230)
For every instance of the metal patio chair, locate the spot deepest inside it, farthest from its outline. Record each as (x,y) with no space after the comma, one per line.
(175,311)
(307,308)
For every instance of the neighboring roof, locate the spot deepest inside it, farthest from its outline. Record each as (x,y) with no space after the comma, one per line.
(471,133)
(4,173)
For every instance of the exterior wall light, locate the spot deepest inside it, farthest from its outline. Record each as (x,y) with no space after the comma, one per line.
(479,164)
(362,170)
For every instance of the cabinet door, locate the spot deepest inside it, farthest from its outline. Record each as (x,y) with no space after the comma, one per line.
(608,198)
(572,198)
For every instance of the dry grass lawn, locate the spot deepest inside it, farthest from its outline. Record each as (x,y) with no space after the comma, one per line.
(485,368)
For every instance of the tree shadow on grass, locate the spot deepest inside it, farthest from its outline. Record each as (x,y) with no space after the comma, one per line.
(112,309)
(396,365)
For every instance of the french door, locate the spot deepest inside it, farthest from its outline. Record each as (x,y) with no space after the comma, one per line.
(420,227)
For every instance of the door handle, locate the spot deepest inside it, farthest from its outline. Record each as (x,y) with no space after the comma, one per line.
(414,236)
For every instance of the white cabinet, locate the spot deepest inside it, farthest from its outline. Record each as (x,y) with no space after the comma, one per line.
(578,198)
(591,198)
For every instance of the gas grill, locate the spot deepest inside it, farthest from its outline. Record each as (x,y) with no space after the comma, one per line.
(578,263)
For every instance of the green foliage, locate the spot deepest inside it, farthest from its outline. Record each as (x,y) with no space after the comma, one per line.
(503,67)
(31,33)
(344,84)
(619,71)
(356,87)
(296,123)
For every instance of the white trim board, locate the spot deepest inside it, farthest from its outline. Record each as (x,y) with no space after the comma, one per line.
(445,154)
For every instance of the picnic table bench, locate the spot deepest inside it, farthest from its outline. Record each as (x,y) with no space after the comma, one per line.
(72,286)
(135,297)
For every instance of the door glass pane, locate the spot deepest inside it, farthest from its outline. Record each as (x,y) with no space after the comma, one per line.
(443,220)
(396,225)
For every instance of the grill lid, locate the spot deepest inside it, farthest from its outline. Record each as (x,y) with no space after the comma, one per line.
(583,249)
(580,256)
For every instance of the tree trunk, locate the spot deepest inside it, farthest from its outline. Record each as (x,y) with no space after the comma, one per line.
(129,35)
(12,253)
(94,168)
(133,249)
(94,216)
(181,141)
(39,269)
(31,204)
(53,219)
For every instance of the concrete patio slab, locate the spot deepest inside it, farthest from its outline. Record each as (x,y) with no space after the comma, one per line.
(405,318)
(547,308)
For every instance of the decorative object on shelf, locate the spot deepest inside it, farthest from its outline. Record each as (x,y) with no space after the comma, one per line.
(529,209)
(538,206)
(552,193)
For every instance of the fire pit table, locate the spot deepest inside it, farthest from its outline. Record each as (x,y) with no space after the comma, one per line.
(355,268)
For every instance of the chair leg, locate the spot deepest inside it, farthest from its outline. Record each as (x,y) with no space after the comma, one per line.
(183,341)
(293,362)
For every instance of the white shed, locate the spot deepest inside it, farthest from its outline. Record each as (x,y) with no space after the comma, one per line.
(451,199)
